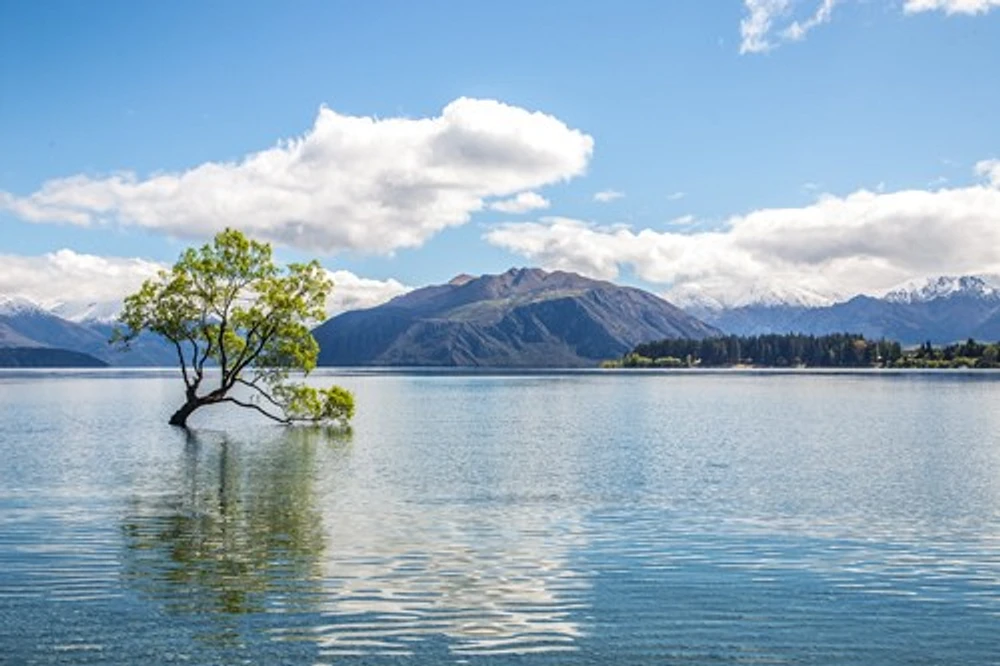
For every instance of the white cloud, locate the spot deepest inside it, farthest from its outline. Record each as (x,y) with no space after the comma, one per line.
(755,28)
(522,203)
(351,292)
(75,279)
(768,23)
(68,276)
(676,196)
(990,170)
(350,182)
(683,221)
(799,29)
(860,243)
(950,6)
(607,196)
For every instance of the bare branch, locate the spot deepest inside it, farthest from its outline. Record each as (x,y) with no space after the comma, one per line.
(267,396)
(184,371)
(254,406)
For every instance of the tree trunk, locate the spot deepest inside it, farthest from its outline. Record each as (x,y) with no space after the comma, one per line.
(180,417)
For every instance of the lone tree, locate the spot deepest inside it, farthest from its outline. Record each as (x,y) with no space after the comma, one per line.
(227,305)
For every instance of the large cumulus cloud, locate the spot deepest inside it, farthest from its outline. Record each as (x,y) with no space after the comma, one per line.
(358,183)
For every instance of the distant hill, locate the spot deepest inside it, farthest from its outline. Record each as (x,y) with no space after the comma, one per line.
(941,309)
(522,318)
(24,323)
(46,357)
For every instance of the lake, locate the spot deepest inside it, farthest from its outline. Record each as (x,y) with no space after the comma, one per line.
(525,518)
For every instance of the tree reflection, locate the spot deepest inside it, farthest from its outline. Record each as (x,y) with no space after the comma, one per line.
(244,533)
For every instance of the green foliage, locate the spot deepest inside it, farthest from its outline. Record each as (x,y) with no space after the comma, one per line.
(227,305)
(841,350)
(330,404)
(791,350)
(968,354)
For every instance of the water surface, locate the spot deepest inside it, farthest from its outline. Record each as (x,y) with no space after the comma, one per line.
(667,518)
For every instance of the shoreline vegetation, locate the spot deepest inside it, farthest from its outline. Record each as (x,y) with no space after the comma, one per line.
(841,350)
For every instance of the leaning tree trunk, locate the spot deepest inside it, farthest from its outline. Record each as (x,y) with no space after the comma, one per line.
(180,417)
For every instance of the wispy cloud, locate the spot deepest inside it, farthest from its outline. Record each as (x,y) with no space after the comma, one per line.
(607,196)
(950,6)
(358,183)
(862,242)
(522,203)
(676,196)
(683,221)
(768,23)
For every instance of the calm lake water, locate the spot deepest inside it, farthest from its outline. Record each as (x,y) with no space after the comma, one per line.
(577,518)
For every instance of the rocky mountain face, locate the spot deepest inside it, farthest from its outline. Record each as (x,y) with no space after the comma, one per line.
(940,309)
(522,318)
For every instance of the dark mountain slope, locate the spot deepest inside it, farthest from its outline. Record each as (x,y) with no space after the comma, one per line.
(46,357)
(521,318)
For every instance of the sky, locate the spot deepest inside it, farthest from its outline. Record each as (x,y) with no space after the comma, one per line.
(697,149)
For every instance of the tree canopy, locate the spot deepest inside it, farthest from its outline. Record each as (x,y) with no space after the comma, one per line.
(226,306)
(838,350)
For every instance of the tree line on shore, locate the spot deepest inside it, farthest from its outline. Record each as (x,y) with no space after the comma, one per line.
(841,350)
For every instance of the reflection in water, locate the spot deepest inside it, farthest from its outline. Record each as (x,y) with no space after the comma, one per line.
(494,581)
(242,535)
(635,518)
(255,527)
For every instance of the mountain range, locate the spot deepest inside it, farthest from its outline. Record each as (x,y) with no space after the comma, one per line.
(525,317)
(26,324)
(529,317)
(940,310)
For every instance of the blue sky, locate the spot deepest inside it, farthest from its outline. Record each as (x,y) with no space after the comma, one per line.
(831,145)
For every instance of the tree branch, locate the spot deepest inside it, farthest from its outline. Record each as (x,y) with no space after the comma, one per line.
(244,362)
(258,408)
(261,391)
(180,357)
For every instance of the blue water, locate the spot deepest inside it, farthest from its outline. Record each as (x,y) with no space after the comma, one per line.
(575,518)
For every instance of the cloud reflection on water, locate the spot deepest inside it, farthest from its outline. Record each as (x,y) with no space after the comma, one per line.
(254,527)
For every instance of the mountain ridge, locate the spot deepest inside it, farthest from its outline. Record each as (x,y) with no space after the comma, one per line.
(942,310)
(520,318)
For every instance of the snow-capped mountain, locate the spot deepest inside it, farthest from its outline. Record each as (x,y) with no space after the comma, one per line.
(753,294)
(754,309)
(87,311)
(18,305)
(77,327)
(105,312)
(929,289)
(940,309)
